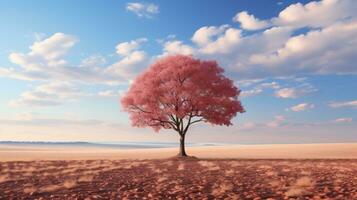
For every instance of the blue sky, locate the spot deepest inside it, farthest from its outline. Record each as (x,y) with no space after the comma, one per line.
(64,65)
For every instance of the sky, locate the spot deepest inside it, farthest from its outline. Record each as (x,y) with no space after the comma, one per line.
(65,64)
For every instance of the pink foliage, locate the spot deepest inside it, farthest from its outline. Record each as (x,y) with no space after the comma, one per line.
(180,88)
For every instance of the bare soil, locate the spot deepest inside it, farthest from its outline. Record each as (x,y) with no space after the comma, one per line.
(179,179)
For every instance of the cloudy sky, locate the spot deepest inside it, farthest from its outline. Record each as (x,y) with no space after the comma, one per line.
(65,64)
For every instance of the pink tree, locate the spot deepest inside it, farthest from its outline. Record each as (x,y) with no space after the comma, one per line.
(179,91)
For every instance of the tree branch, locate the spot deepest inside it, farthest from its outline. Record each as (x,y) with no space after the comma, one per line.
(188,124)
(199,120)
(172,124)
(181,125)
(140,109)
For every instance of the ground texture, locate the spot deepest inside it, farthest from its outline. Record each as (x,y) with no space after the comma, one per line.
(179,179)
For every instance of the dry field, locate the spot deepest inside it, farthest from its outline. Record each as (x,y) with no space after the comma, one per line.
(179,179)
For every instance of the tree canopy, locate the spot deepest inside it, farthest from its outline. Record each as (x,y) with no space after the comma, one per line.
(178,91)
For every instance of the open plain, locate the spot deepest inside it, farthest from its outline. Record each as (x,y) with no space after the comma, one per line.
(262,176)
(179,179)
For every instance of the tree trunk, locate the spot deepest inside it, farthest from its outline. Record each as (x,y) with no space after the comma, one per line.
(182,146)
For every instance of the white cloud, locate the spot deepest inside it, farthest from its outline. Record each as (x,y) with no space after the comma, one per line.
(295,92)
(130,65)
(147,10)
(330,50)
(343,120)
(169,37)
(45,53)
(216,40)
(204,35)
(213,40)
(133,61)
(293,87)
(233,50)
(316,14)
(42,122)
(111,93)
(53,47)
(93,61)
(272,85)
(51,94)
(108,93)
(248,126)
(252,92)
(126,48)
(302,107)
(46,61)
(257,89)
(177,47)
(249,22)
(344,104)
(284,49)
(286,93)
(248,82)
(278,121)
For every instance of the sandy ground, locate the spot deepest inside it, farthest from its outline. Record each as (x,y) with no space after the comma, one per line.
(180,179)
(275,151)
(254,172)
